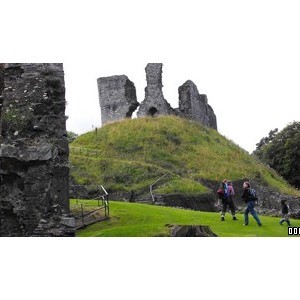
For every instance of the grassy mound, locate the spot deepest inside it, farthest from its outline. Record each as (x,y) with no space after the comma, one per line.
(131,154)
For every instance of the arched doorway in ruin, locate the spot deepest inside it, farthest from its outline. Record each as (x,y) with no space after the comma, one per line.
(152,112)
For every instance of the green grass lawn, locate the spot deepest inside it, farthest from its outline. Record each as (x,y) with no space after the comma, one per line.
(142,220)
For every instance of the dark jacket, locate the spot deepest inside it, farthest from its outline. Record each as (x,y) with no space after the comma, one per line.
(284,209)
(247,195)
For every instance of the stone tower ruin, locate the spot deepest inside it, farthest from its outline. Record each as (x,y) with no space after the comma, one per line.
(154,104)
(34,151)
(117,99)
(194,106)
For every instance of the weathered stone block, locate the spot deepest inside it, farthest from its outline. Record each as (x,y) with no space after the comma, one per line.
(117,97)
(192,231)
(194,106)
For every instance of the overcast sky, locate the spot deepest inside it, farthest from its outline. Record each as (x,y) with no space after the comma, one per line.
(244,55)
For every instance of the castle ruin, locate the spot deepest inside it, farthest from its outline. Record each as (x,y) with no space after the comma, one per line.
(194,106)
(117,97)
(34,151)
(154,104)
(120,98)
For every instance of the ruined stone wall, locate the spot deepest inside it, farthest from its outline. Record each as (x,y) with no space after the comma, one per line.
(117,97)
(34,152)
(154,103)
(1,78)
(212,118)
(1,91)
(195,106)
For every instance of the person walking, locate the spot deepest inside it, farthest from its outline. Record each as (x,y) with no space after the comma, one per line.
(230,200)
(285,213)
(250,202)
(227,199)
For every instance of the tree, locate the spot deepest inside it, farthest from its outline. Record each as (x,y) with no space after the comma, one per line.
(266,140)
(72,136)
(281,150)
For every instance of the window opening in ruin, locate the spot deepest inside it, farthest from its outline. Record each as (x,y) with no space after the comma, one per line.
(152,112)
(131,109)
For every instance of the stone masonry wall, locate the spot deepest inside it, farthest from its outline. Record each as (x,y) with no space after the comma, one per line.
(212,118)
(117,97)
(1,78)
(154,104)
(194,106)
(34,152)
(1,90)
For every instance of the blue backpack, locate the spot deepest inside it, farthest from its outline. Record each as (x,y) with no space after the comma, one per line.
(223,192)
(226,194)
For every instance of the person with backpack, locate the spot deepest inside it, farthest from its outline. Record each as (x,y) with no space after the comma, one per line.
(226,193)
(249,195)
(231,194)
(285,213)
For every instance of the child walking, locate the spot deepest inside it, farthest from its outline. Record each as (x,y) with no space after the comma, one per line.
(285,213)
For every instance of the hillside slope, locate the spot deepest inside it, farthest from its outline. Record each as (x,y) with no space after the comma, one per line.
(131,154)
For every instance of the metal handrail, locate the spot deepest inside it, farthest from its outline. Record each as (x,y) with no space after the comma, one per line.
(151,186)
